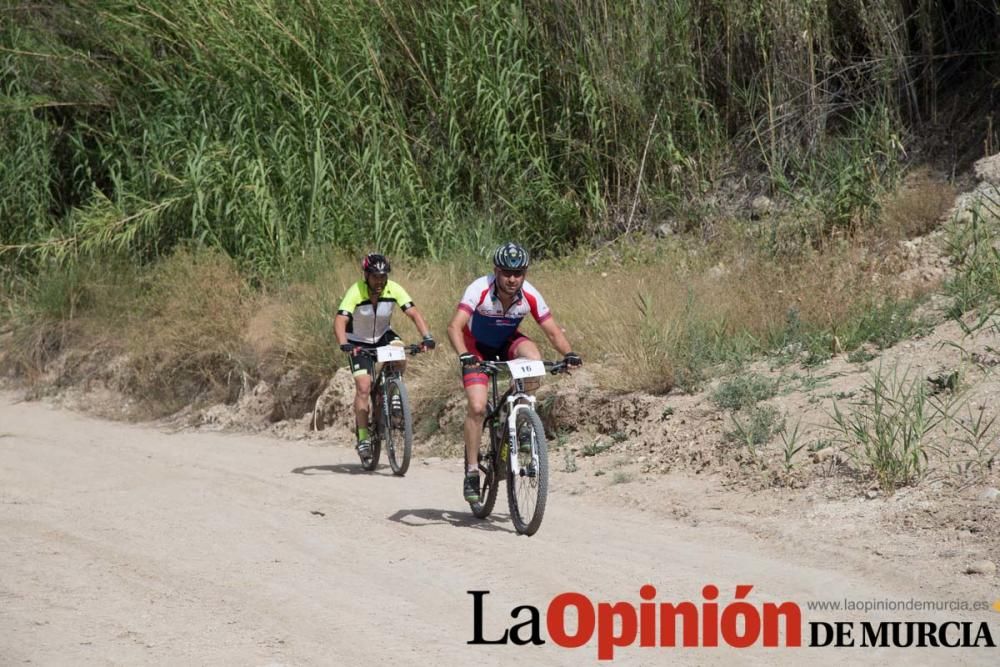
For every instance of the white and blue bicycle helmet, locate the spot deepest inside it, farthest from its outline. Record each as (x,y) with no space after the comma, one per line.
(511,256)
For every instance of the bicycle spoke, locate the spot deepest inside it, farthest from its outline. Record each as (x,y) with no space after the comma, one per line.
(528,482)
(398,427)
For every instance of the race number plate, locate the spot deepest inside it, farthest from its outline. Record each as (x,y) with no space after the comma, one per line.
(526,368)
(391,353)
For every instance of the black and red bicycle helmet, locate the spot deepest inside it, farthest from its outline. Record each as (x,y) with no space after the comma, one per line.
(376,264)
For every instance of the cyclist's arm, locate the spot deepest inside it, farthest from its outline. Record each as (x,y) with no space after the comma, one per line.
(418,320)
(555,335)
(455,328)
(350,301)
(340,328)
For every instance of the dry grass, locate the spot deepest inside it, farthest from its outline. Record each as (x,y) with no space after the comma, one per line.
(189,342)
(312,295)
(917,207)
(653,320)
(180,323)
(653,317)
(85,305)
(656,326)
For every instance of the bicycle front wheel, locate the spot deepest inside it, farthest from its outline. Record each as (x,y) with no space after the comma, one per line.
(399,428)
(528,482)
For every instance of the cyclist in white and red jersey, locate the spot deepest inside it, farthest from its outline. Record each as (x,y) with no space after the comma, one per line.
(485,326)
(362,322)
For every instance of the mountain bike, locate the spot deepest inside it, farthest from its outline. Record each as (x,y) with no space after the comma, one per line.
(391,421)
(516,449)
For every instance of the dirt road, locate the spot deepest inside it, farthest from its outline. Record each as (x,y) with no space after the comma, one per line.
(122,544)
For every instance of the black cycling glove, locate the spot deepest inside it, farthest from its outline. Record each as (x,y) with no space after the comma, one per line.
(467,359)
(572,359)
(429,343)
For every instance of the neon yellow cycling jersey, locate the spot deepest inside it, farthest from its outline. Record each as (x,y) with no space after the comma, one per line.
(367,323)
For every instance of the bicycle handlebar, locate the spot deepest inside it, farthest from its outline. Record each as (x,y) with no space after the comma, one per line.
(492,367)
(373,352)
(555,367)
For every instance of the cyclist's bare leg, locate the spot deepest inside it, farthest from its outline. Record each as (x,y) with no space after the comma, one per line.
(474,414)
(362,387)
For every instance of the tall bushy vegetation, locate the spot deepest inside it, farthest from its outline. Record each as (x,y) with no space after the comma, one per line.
(265,128)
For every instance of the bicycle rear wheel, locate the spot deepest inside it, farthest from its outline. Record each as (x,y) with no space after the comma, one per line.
(528,483)
(489,471)
(399,428)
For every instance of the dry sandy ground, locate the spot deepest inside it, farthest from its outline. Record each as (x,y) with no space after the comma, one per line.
(126,544)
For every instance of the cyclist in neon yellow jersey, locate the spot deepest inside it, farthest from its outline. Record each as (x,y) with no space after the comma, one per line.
(362,322)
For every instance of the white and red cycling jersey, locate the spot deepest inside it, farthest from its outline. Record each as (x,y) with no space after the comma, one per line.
(490,326)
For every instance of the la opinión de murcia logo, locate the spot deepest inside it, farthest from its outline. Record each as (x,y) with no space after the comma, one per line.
(572,620)
(652,624)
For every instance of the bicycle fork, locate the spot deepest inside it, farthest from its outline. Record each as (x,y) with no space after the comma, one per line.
(514,405)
